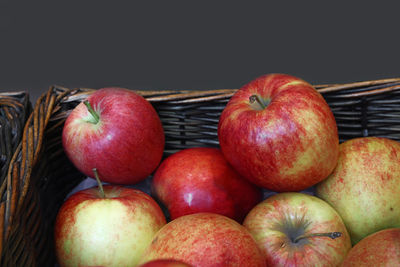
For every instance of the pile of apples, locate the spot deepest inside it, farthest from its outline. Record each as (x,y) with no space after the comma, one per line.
(279,191)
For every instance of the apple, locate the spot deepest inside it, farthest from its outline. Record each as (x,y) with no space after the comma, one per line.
(365,186)
(201,180)
(165,263)
(205,239)
(116,131)
(109,227)
(381,248)
(278,132)
(296,229)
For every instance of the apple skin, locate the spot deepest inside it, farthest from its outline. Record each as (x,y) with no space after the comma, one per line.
(205,239)
(277,221)
(381,248)
(111,231)
(201,180)
(290,145)
(364,188)
(125,146)
(165,263)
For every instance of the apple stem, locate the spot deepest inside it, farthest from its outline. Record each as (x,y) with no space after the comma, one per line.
(256,98)
(101,190)
(332,235)
(96,116)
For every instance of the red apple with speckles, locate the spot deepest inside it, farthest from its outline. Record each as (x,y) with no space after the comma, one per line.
(165,263)
(203,240)
(365,186)
(113,229)
(379,249)
(118,132)
(201,180)
(296,229)
(278,132)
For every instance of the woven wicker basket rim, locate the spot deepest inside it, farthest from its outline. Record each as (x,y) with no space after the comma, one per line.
(192,96)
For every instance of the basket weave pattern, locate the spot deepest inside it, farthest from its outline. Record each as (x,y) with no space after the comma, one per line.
(14,110)
(44,176)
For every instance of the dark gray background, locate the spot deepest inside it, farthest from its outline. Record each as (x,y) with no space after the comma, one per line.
(193,44)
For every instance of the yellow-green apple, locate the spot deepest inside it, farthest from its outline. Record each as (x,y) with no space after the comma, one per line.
(279,132)
(106,229)
(165,263)
(296,229)
(205,239)
(116,131)
(381,248)
(201,180)
(365,186)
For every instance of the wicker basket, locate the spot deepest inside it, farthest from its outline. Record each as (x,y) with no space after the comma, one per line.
(42,176)
(14,111)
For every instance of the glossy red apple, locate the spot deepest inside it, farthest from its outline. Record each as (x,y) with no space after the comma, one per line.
(296,229)
(110,230)
(381,248)
(201,180)
(165,263)
(364,188)
(205,239)
(122,136)
(279,132)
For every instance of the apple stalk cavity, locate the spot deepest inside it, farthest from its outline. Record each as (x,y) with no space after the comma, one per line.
(96,117)
(262,104)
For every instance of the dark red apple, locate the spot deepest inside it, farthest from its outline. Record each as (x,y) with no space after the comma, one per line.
(201,180)
(278,132)
(118,132)
(203,240)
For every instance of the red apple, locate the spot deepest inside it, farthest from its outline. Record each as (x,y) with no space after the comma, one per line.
(201,180)
(122,136)
(381,248)
(205,239)
(110,230)
(279,132)
(165,263)
(296,229)
(364,188)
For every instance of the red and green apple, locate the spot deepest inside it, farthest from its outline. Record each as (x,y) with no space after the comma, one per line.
(279,132)
(365,186)
(296,229)
(116,131)
(379,249)
(203,240)
(106,228)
